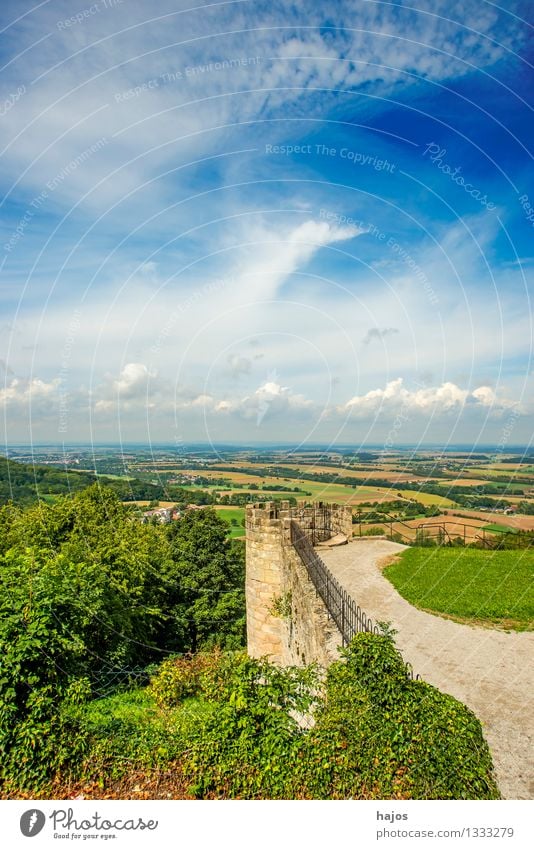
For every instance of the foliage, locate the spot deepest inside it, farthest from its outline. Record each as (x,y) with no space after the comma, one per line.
(381,735)
(512,540)
(374,531)
(209,606)
(184,677)
(88,596)
(281,605)
(88,592)
(489,586)
(230,726)
(379,511)
(234,727)
(26,484)
(246,747)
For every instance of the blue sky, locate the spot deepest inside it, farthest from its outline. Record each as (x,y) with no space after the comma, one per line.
(249,221)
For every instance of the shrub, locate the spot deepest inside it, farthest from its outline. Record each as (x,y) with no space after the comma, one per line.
(247,745)
(231,726)
(376,531)
(380,735)
(183,677)
(48,738)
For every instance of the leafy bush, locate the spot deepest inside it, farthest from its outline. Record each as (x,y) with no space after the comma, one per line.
(48,737)
(377,733)
(375,531)
(184,677)
(234,727)
(90,595)
(248,745)
(380,735)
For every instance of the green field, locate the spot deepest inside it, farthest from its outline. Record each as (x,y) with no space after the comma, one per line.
(495,526)
(492,588)
(229,513)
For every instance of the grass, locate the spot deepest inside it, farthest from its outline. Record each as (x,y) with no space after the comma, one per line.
(494,526)
(229,513)
(484,587)
(335,492)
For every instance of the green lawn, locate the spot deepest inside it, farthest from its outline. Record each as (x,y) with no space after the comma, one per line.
(229,513)
(490,587)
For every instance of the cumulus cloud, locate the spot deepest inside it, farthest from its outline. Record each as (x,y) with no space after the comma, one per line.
(432,399)
(137,388)
(20,391)
(270,399)
(487,397)
(133,388)
(133,379)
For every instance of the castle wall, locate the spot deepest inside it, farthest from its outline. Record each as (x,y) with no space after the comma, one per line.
(286,619)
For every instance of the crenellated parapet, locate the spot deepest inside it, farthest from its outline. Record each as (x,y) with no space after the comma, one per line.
(276,578)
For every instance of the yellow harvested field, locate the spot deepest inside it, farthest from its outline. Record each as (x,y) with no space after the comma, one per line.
(370,473)
(146,503)
(518,522)
(426,497)
(468,528)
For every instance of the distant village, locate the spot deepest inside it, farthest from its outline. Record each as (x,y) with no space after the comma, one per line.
(165,515)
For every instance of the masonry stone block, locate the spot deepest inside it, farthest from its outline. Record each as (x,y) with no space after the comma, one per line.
(274,569)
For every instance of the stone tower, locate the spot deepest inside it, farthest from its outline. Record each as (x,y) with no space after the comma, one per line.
(276,574)
(264,579)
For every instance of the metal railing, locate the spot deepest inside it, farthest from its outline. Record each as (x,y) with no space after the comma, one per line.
(448,531)
(348,616)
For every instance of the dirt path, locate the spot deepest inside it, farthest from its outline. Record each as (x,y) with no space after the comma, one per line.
(490,671)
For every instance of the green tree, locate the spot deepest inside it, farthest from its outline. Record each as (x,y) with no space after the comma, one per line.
(209,574)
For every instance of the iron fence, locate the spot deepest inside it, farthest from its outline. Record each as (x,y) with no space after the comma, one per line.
(451,531)
(315,521)
(347,615)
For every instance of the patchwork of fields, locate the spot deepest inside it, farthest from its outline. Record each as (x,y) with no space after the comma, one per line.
(491,495)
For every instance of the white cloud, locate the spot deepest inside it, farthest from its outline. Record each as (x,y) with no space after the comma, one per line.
(135,388)
(133,380)
(275,254)
(487,397)
(21,392)
(82,93)
(434,400)
(275,399)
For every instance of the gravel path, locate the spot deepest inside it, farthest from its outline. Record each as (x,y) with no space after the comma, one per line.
(490,671)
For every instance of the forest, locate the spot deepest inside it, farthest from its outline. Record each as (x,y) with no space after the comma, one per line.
(26,484)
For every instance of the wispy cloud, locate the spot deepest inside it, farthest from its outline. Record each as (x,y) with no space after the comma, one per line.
(180,241)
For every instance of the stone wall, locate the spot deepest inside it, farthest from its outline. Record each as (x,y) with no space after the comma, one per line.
(286,619)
